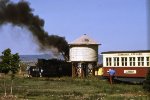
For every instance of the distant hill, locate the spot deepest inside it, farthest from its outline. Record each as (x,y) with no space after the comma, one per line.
(34,58)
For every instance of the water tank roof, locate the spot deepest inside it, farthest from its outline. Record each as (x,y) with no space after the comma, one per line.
(84,39)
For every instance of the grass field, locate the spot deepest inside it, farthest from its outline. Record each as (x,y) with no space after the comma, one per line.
(66,88)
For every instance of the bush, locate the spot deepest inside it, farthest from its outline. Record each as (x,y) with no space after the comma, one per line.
(146,83)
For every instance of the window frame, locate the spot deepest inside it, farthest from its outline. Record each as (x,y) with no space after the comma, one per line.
(116,61)
(147,61)
(124,61)
(132,61)
(108,61)
(140,61)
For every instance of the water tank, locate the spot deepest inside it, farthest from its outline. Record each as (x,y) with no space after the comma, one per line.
(83,49)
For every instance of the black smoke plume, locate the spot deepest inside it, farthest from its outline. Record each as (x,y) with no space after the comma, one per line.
(21,14)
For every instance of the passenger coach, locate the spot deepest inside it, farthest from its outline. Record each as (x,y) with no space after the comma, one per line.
(127,63)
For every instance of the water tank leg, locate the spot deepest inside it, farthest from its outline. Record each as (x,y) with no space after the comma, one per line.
(82,71)
(73,71)
(93,69)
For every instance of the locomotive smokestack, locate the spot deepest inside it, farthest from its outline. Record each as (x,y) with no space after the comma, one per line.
(21,14)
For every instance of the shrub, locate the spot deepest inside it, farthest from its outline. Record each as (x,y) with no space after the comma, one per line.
(146,83)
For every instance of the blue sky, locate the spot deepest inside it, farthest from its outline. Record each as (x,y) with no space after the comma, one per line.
(116,24)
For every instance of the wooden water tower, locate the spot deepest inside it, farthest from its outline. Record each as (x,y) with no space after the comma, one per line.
(83,54)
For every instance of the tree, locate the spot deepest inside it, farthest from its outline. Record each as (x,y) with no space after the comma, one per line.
(14,68)
(10,63)
(146,84)
(5,65)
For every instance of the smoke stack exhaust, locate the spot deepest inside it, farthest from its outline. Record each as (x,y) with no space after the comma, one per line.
(20,14)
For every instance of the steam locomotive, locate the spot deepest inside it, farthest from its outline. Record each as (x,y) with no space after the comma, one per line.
(50,68)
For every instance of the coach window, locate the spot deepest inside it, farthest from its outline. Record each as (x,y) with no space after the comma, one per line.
(147,60)
(140,61)
(108,61)
(124,61)
(132,61)
(116,61)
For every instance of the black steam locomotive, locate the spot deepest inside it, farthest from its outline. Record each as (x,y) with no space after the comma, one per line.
(51,68)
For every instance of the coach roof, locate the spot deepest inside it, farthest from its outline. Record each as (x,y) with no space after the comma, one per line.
(128,51)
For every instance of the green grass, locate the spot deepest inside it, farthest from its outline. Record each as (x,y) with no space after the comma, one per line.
(66,88)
